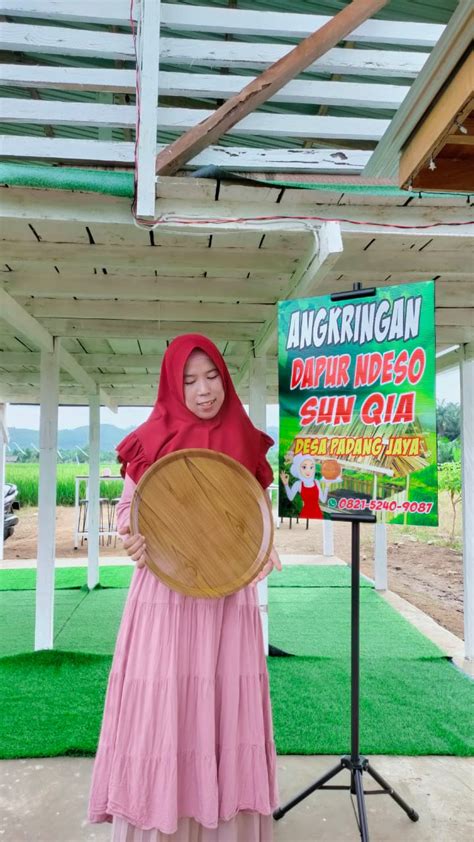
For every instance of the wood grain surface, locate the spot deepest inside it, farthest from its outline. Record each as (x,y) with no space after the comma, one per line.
(207,522)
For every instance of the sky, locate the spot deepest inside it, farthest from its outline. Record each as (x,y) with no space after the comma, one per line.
(447,389)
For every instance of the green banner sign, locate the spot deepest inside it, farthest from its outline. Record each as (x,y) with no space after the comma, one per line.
(358,407)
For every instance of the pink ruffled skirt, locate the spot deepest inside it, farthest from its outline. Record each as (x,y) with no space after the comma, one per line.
(187,727)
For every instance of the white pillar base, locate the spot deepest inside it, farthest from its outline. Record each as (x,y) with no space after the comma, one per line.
(380,573)
(328,538)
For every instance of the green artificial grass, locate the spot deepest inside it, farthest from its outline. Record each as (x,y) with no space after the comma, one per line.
(317,621)
(303,621)
(413,700)
(412,707)
(93,627)
(87,621)
(111,576)
(311,576)
(119,576)
(52,705)
(17,618)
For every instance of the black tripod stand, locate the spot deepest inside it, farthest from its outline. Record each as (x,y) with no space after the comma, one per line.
(353,762)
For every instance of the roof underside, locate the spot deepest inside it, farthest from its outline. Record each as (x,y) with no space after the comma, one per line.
(370,74)
(74,264)
(117,294)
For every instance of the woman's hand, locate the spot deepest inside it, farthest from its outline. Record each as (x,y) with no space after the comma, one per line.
(284,477)
(134,545)
(273,563)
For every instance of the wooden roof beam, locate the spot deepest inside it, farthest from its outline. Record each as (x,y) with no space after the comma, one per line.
(437,128)
(454,42)
(266,85)
(320,259)
(222,21)
(17,317)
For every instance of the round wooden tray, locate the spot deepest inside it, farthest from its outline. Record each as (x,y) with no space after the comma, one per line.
(206,520)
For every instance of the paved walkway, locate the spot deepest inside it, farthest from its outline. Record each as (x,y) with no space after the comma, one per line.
(44,800)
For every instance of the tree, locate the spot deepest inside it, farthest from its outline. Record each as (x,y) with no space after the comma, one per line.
(449,479)
(448,451)
(448,420)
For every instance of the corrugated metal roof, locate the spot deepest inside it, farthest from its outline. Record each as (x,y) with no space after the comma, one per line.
(428,11)
(423,11)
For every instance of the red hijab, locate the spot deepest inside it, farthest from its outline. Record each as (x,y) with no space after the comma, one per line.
(172,426)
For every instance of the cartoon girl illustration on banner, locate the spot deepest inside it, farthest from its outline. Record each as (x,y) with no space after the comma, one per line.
(312,492)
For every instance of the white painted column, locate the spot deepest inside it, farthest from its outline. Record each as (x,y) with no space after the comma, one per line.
(328,538)
(258,416)
(3,452)
(380,571)
(49,398)
(467,457)
(380,547)
(258,392)
(93,492)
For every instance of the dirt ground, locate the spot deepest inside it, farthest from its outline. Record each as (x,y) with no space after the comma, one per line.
(421,567)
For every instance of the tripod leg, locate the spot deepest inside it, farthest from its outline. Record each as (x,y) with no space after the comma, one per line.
(411,813)
(280,812)
(359,788)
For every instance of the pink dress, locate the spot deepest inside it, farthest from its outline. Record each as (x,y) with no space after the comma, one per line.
(186,750)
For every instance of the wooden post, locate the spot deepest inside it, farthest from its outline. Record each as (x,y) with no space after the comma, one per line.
(3,450)
(467,457)
(93,493)
(266,85)
(148,59)
(49,396)
(258,416)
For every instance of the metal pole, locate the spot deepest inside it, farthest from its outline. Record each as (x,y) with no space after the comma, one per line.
(355,646)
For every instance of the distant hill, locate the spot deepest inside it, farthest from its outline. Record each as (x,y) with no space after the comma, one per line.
(68,439)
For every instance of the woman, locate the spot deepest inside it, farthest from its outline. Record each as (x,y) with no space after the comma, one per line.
(309,489)
(186,751)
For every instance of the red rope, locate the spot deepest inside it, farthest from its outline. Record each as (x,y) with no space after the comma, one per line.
(223,220)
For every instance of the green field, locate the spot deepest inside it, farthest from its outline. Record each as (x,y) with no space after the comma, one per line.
(26,475)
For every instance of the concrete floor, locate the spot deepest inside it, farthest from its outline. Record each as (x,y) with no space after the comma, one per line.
(44,800)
